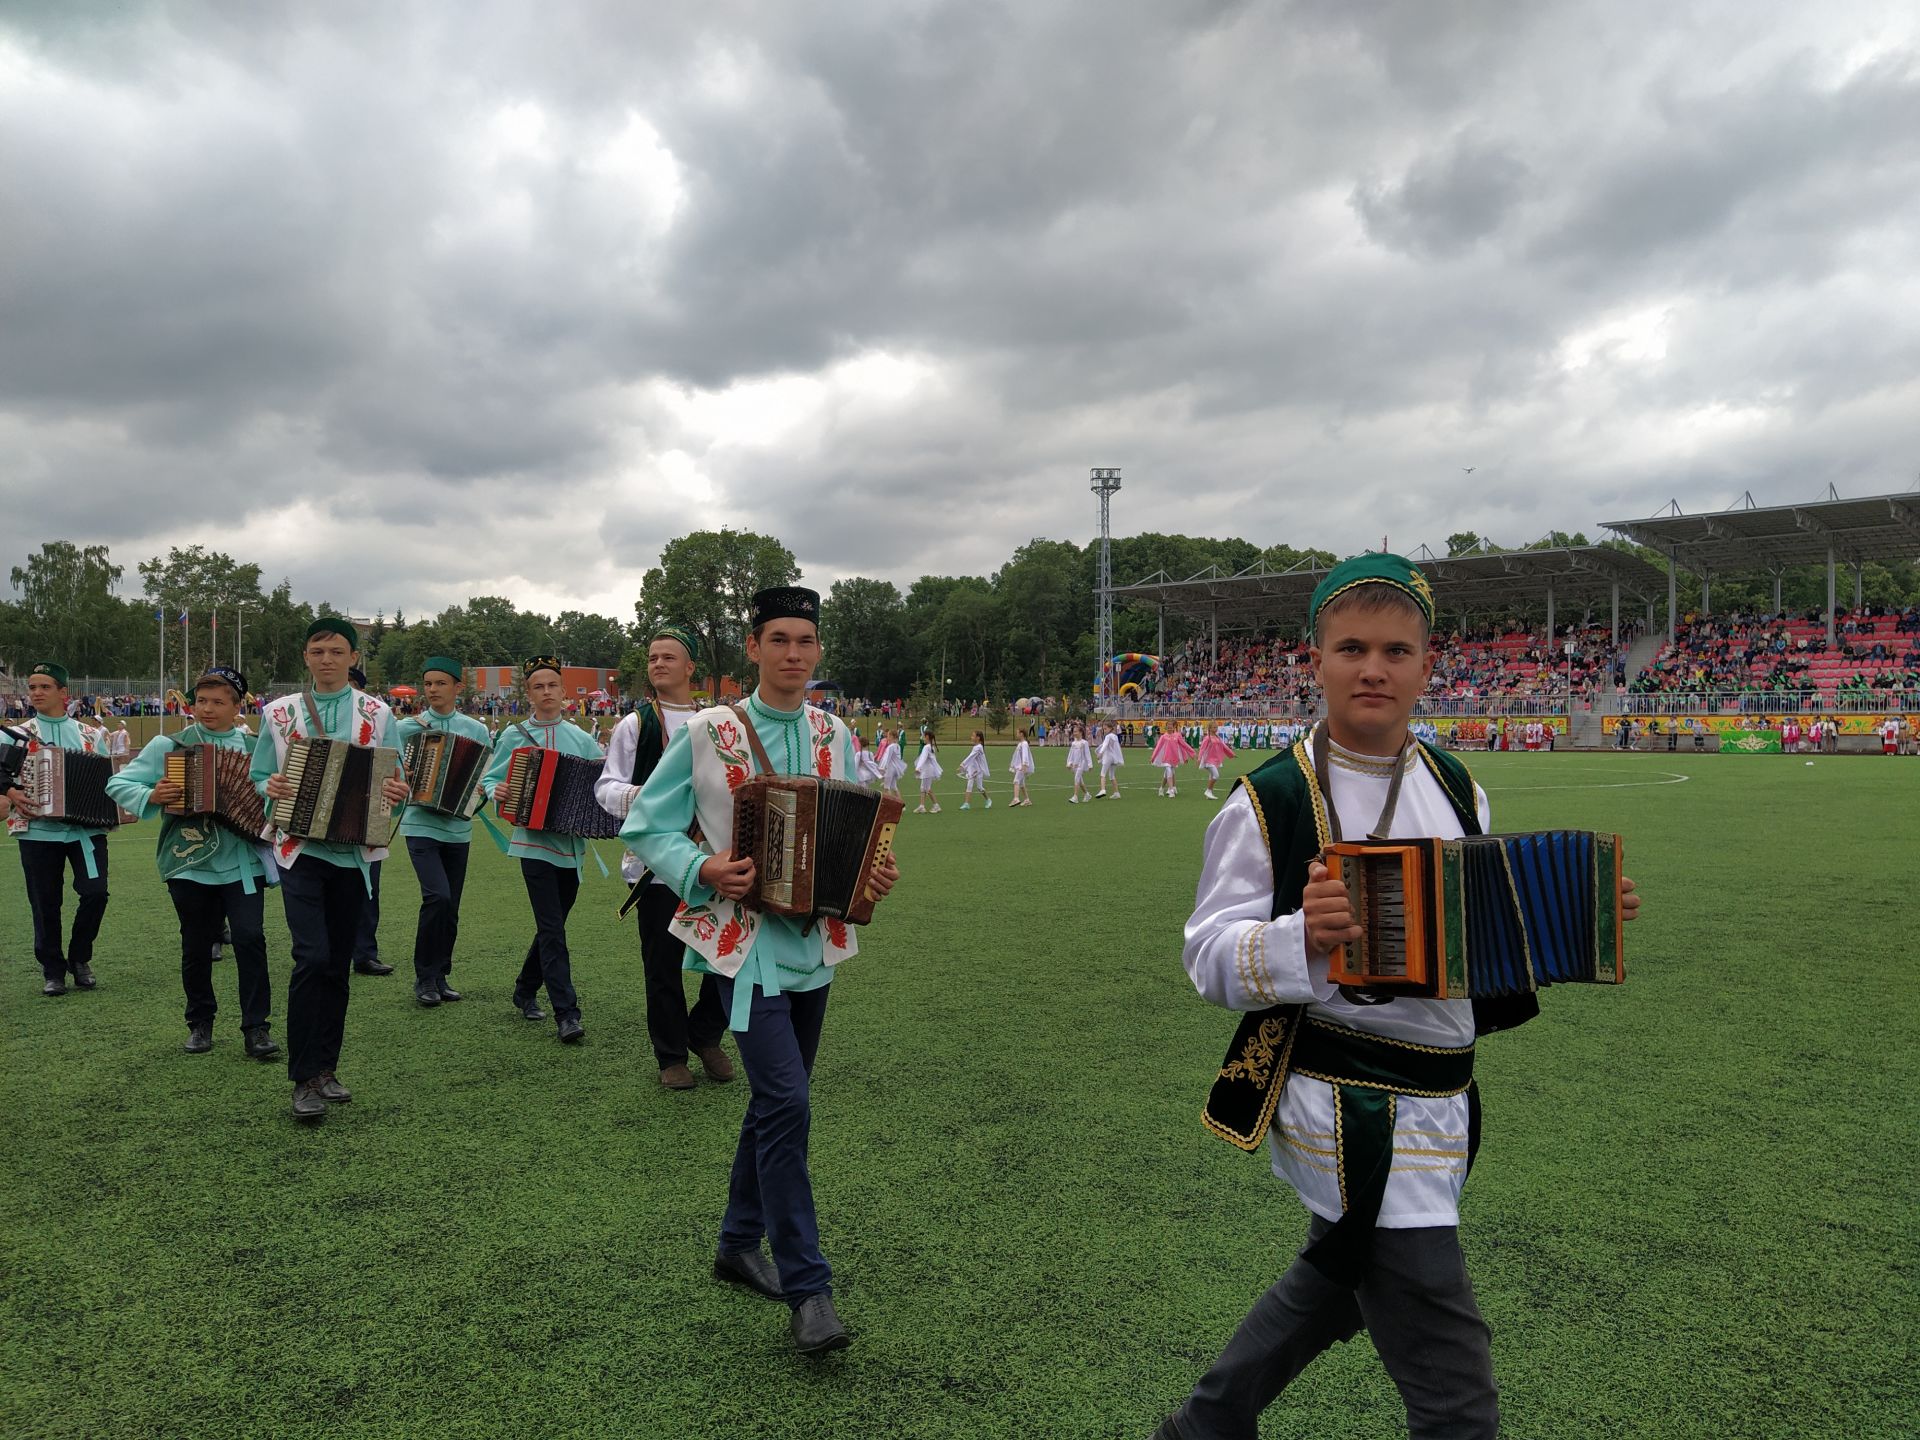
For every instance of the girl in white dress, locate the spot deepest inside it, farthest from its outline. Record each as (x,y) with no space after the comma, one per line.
(1021,767)
(974,768)
(1079,761)
(891,765)
(927,767)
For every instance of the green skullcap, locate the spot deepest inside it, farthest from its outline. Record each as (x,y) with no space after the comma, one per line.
(683,634)
(444,665)
(1373,569)
(335,625)
(55,673)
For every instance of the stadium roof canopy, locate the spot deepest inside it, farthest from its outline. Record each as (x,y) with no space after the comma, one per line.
(1772,538)
(1260,597)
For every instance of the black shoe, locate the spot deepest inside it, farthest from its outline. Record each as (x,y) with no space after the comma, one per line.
(751,1269)
(372,967)
(426,995)
(448,993)
(199,1037)
(260,1045)
(1167,1431)
(330,1088)
(816,1328)
(572,1032)
(83,977)
(529,1007)
(54,987)
(309,1105)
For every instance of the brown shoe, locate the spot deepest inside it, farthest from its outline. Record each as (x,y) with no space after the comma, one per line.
(330,1088)
(714,1061)
(677,1077)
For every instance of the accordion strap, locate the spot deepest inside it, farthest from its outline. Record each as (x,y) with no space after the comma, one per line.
(753,740)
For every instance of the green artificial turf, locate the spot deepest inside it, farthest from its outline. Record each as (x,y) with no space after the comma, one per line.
(1693,1214)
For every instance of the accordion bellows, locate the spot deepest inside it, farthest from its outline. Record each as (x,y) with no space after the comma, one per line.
(70,786)
(1486,915)
(216,781)
(546,790)
(339,792)
(444,772)
(813,843)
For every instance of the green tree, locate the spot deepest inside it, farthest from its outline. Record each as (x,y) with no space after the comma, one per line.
(999,712)
(584,639)
(67,611)
(707,580)
(863,631)
(211,588)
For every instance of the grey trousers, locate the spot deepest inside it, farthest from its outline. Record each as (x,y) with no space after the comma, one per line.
(1417,1305)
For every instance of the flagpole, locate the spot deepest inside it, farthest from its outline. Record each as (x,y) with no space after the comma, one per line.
(160,615)
(186,650)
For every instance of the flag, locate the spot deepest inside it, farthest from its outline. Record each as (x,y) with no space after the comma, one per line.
(183,617)
(160,614)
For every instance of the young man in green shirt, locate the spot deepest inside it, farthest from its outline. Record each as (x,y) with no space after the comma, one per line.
(48,847)
(549,861)
(438,843)
(214,876)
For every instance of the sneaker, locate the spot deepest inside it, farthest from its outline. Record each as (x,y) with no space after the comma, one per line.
(936,809)
(919,809)
(966,805)
(989,804)
(1212,796)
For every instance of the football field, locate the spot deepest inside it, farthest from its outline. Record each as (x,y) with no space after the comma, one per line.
(1694,1212)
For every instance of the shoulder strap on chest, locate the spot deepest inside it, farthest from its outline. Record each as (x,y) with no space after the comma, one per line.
(753,740)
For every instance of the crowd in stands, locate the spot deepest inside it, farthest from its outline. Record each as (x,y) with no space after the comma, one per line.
(1507,666)
(1770,661)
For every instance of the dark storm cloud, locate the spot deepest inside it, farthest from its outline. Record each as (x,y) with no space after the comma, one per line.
(411,304)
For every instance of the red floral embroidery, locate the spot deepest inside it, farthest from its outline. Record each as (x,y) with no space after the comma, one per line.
(736,776)
(731,935)
(366,732)
(287,847)
(704,927)
(837,934)
(680,910)
(824,764)
(728,734)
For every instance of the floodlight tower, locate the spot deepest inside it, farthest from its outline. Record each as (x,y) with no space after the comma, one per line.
(1105,483)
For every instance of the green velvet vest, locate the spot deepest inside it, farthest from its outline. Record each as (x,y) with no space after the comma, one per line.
(1293,820)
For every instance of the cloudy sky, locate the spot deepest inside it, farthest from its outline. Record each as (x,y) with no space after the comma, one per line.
(414,301)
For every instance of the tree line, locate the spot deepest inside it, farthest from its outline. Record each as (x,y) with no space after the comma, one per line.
(1025,629)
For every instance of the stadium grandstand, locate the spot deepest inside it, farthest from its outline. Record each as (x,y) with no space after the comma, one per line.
(1591,638)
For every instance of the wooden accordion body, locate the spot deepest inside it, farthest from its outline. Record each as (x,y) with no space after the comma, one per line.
(813,843)
(546,790)
(339,792)
(1486,915)
(216,782)
(444,772)
(70,786)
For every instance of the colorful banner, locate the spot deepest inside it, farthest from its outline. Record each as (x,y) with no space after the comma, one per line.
(1749,742)
(1742,724)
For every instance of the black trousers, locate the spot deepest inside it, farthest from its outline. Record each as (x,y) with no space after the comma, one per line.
(552,890)
(366,939)
(670,1025)
(1417,1306)
(441,866)
(324,904)
(45,863)
(205,911)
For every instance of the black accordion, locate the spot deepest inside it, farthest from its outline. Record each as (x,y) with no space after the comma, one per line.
(339,792)
(546,790)
(813,844)
(216,781)
(69,786)
(1486,915)
(444,772)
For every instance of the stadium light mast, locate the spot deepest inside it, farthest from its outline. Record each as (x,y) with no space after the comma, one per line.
(1104,484)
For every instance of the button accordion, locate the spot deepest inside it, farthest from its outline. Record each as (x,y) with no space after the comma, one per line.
(813,843)
(215,781)
(69,786)
(339,792)
(1486,915)
(444,772)
(546,790)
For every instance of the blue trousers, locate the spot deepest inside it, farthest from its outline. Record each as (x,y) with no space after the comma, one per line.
(771,1193)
